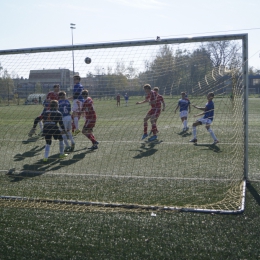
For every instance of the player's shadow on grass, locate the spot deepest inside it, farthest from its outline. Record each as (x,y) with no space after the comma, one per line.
(32,139)
(211,147)
(76,158)
(36,169)
(253,192)
(33,170)
(146,151)
(33,152)
(185,133)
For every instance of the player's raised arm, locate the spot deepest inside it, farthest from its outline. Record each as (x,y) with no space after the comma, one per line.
(141,102)
(200,108)
(201,114)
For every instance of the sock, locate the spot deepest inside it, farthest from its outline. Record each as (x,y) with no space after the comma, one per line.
(71,137)
(76,122)
(72,124)
(145,127)
(194,132)
(47,150)
(154,129)
(61,145)
(185,123)
(91,137)
(212,134)
(65,139)
(41,125)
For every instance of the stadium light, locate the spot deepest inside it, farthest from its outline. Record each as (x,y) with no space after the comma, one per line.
(72,27)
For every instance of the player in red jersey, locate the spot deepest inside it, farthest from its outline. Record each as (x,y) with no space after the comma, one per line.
(91,117)
(160,106)
(52,95)
(118,99)
(152,99)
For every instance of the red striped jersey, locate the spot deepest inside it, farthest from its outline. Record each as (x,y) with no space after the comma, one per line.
(159,101)
(152,97)
(88,107)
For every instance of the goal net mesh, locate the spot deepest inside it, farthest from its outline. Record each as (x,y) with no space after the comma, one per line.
(170,172)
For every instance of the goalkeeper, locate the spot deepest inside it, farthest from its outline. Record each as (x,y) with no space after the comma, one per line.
(51,118)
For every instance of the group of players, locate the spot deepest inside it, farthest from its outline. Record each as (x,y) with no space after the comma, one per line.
(156,100)
(57,111)
(56,120)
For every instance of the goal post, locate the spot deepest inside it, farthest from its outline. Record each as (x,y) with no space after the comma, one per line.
(125,171)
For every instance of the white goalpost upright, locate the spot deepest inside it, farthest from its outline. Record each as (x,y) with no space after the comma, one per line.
(168,174)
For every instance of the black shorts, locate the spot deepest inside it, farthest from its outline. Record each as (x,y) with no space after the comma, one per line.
(50,131)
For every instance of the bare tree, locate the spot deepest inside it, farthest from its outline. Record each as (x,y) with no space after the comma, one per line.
(223,53)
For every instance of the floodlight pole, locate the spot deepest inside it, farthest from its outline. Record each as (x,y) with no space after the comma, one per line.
(72,27)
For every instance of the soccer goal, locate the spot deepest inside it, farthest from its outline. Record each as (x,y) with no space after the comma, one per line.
(169,173)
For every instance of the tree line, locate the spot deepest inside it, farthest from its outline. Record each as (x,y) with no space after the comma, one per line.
(171,69)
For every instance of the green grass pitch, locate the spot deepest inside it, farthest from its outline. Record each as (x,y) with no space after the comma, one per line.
(98,233)
(125,170)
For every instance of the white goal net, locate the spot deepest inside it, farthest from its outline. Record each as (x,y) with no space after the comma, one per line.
(169,172)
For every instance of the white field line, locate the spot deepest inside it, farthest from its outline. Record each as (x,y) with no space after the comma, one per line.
(139,141)
(121,176)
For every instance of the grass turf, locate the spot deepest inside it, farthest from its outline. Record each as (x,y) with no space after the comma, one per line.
(100,233)
(169,172)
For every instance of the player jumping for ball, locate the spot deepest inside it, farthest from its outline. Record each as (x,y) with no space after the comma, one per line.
(77,102)
(51,119)
(206,119)
(152,113)
(184,105)
(91,117)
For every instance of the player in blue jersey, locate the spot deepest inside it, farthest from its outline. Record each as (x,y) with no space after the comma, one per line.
(184,105)
(65,109)
(77,102)
(207,119)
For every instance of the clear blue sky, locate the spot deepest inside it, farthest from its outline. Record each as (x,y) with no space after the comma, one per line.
(37,23)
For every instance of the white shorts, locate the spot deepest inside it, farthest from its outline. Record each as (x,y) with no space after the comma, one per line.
(184,113)
(76,105)
(205,121)
(67,122)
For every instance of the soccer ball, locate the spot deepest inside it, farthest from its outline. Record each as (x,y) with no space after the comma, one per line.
(87,60)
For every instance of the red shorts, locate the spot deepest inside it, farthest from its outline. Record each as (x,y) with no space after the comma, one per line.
(155,112)
(90,123)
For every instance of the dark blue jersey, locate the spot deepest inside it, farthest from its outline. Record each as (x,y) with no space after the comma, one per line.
(77,90)
(209,110)
(51,118)
(184,104)
(64,107)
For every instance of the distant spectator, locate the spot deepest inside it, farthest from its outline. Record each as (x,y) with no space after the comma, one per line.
(118,99)
(126,99)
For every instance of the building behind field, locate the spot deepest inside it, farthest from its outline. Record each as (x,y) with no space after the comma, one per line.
(42,81)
